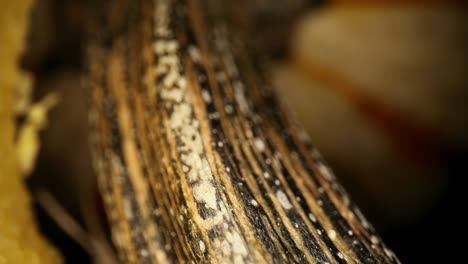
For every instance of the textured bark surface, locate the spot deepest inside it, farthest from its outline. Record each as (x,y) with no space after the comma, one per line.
(196,159)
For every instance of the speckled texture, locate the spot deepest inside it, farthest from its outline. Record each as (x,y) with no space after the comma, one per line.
(196,160)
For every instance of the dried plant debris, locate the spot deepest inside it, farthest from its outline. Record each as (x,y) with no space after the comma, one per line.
(197,161)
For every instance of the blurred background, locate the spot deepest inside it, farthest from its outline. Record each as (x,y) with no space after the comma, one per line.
(380,86)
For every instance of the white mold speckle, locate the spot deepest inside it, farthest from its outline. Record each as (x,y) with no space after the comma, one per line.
(144,253)
(167,247)
(259,144)
(185,128)
(182,83)
(346,200)
(206,96)
(194,53)
(202,246)
(229,109)
(388,252)
(240,96)
(205,192)
(340,255)
(312,217)
(226,248)
(254,202)
(248,133)
(283,199)
(128,209)
(325,171)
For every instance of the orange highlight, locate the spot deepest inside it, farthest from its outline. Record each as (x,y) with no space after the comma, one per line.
(413,139)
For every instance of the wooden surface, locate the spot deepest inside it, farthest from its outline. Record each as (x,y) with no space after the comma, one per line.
(196,159)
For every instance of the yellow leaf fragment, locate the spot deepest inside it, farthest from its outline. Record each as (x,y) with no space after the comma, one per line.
(28,142)
(20,242)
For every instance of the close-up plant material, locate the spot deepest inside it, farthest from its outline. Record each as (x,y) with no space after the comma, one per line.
(217,131)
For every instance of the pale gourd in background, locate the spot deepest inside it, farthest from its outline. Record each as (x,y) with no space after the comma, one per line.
(381,91)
